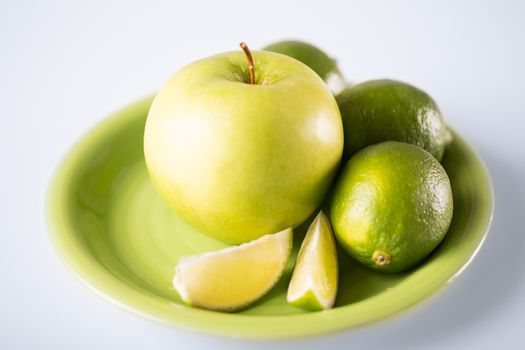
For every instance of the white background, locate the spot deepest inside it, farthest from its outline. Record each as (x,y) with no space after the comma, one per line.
(64,66)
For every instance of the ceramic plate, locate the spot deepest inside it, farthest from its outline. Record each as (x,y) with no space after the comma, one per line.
(116,234)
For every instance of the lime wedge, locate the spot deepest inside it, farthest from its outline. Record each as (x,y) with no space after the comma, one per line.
(314,280)
(234,277)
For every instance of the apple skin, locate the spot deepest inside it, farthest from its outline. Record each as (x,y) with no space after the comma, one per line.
(238,161)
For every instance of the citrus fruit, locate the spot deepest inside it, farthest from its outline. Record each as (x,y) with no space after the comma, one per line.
(234,277)
(314,281)
(391,206)
(389,110)
(313,57)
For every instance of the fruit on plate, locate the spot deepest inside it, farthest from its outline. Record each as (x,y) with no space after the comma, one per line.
(240,145)
(391,206)
(313,57)
(390,110)
(234,277)
(314,281)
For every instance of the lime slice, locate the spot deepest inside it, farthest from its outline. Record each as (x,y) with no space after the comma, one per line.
(234,277)
(314,280)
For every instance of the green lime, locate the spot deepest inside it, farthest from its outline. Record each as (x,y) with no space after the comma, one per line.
(313,57)
(314,281)
(391,206)
(389,110)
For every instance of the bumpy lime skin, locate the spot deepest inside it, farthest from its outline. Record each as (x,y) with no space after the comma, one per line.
(313,57)
(390,110)
(392,197)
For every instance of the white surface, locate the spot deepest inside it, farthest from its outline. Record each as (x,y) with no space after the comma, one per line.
(64,66)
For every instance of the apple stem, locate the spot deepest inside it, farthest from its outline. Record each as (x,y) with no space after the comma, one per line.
(251,67)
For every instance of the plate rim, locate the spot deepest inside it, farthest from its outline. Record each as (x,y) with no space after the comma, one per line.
(87,269)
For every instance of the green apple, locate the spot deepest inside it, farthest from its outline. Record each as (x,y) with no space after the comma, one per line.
(313,57)
(238,160)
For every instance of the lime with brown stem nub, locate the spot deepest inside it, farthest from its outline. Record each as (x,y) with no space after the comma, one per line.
(391,206)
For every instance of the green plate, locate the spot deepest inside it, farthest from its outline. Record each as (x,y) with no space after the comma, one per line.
(116,234)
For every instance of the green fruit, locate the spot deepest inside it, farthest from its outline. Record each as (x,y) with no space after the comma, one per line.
(238,160)
(391,206)
(313,57)
(389,110)
(314,281)
(234,277)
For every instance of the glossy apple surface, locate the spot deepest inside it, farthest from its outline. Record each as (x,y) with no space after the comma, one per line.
(239,160)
